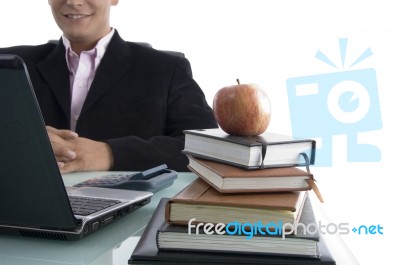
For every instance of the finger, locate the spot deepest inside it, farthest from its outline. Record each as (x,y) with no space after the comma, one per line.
(69,167)
(63,159)
(50,128)
(62,149)
(60,165)
(65,134)
(64,154)
(65,168)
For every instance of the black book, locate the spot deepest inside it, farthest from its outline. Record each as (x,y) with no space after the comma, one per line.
(147,252)
(251,152)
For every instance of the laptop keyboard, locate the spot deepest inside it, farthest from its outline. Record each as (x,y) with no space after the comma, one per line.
(86,206)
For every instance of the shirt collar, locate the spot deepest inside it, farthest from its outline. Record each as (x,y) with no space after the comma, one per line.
(99,49)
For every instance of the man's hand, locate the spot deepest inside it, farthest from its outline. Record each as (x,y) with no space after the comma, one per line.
(59,141)
(74,153)
(90,156)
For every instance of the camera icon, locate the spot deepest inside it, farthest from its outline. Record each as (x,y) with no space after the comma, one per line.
(325,105)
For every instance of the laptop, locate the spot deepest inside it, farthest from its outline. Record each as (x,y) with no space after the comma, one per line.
(33,199)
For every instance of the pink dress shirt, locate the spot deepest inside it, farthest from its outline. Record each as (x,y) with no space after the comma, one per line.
(82,70)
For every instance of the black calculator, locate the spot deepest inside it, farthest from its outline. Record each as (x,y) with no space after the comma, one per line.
(153,180)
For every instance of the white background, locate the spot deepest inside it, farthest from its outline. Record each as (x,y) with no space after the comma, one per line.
(266,42)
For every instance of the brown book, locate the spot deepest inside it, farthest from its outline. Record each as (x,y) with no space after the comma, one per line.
(303,242)
(229,179)
(202,202)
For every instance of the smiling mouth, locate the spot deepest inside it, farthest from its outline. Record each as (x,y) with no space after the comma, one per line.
(73,16)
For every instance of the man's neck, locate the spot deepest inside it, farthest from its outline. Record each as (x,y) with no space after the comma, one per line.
(79,46)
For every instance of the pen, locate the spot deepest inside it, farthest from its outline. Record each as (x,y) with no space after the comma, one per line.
(149,173)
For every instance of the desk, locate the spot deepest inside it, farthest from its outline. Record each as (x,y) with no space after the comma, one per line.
(115,243)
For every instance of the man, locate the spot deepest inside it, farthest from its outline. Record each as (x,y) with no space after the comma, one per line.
(111,104)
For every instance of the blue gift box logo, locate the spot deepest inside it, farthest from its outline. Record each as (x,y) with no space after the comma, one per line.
(345,102)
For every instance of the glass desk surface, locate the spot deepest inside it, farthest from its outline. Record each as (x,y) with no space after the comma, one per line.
(114,244)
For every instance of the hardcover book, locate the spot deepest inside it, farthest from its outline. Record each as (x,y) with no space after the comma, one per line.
(202,202)
(230,179)
(147,252)
(251,152)
(263,238)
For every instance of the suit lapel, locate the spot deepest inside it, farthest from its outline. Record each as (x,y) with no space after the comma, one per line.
(113,65)
(55,71)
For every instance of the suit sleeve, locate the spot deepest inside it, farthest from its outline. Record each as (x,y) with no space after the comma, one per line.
(186,108)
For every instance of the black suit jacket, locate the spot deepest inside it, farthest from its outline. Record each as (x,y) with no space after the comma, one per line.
(140,101)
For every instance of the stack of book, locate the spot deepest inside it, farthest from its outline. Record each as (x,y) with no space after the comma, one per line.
(249,204)
(264,163)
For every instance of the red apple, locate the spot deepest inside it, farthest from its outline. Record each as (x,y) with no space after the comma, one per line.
(242,109)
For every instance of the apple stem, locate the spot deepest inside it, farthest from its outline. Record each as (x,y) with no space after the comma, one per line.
(237,80)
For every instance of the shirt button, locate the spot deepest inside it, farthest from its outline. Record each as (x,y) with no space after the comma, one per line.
(76,118)
(81,84)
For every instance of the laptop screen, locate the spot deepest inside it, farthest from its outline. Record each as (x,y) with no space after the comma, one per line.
(32,192)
